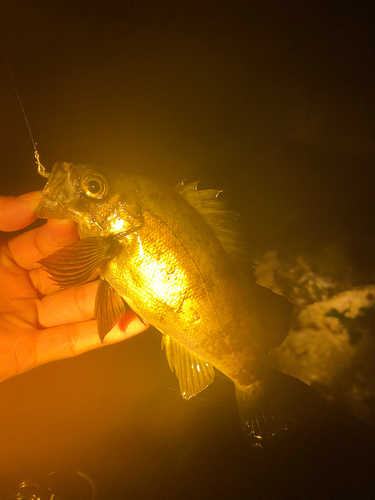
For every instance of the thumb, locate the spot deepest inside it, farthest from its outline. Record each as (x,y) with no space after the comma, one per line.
(17,213)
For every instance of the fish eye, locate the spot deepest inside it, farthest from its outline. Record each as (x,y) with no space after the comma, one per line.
(94,185)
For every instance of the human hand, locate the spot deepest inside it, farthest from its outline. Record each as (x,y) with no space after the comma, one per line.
(39,322)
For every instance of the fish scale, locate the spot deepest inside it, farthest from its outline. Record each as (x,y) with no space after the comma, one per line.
(179,263)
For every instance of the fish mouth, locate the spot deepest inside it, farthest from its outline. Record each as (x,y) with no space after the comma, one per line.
(48,209)
(57,192)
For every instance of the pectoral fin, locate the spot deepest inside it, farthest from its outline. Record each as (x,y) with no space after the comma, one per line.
(193,373)
(75,263)
(109,307)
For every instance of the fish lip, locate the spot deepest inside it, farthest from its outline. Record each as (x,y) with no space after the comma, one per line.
(58,187)
(51,209)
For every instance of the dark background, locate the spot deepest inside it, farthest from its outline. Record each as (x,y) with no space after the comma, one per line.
(272,101)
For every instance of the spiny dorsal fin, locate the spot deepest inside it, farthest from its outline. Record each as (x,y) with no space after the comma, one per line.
(220,220)
(193,373)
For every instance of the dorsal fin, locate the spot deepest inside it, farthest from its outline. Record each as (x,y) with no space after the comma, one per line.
(221,221)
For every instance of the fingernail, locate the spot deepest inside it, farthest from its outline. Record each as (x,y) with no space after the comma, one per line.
(34,195)
(62,222)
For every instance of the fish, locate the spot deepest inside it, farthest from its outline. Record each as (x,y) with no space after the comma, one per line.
(175,257)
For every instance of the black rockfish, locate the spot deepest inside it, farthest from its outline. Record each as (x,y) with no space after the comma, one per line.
(173,257)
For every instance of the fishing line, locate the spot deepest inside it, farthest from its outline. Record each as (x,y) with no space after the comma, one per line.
(41,169)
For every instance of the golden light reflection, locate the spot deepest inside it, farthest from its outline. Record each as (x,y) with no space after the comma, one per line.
(168,283)
(141,252)
(117,225)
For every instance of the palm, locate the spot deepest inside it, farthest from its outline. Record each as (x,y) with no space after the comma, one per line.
(38,322)
(18,320)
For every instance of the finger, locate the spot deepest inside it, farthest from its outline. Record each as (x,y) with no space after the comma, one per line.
(128,326)
(29,247)
(67,306)
(51,344)
(43,282)
(70,340)
(17,213)
(75,305)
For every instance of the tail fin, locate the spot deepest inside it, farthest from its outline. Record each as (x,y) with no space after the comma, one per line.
(273,406)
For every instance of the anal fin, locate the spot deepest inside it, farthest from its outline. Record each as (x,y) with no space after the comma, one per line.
(193,372)
(109,307)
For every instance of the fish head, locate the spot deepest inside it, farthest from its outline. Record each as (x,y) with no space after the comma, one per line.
(100,200)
